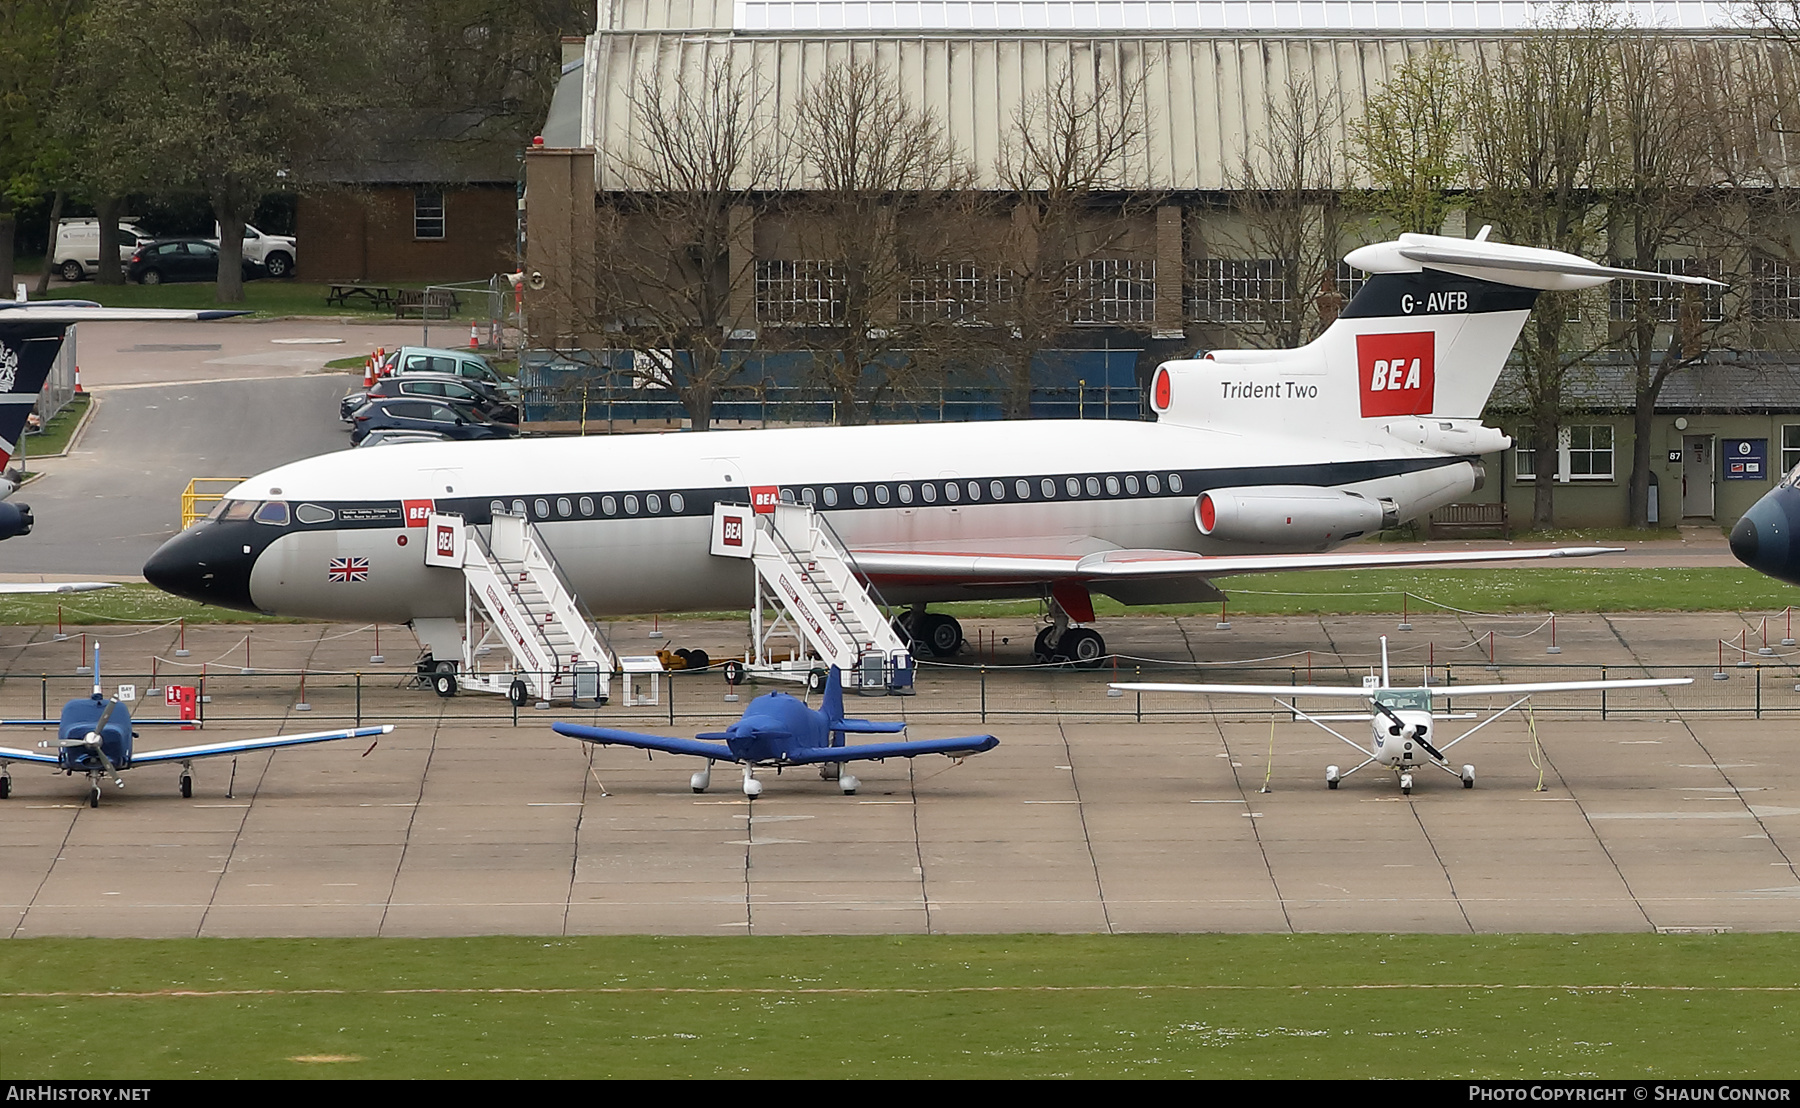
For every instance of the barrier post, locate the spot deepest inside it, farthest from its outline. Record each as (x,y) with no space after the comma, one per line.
(1110,691)
(1787,638)
(1603,696)
(301,705)
(1553,648)
(1405,619)
(1224,624)
(1492,668)
(984,694)
(1765,650)
(1758,692)
(60,633)
(1744,648)
(181,650)
(359,698)
(1720,674)
(376,658)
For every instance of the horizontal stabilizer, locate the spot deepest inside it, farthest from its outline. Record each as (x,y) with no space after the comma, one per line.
(608,736)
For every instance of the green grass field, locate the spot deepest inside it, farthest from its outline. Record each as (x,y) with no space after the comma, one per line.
(1340,1006)
(1333,592)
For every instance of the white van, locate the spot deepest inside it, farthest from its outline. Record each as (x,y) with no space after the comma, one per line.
(276,254)
(77,253)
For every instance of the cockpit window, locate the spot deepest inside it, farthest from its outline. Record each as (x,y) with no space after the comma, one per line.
(236,510)
(273,512)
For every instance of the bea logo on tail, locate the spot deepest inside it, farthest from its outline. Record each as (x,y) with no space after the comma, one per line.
(1396,374)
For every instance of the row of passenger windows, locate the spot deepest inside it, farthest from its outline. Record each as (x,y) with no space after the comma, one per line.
(650,503)
(925,492)
(1021,488)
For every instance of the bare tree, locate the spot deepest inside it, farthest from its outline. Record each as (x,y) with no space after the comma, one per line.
(674,276)
(1662,196)
(1535,162)
(885,209)
(1065,173)
(1286,202)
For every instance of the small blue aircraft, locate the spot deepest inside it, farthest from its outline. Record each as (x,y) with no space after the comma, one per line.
(780,730)
(94,738)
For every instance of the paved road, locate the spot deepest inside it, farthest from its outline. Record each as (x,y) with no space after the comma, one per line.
(176,401)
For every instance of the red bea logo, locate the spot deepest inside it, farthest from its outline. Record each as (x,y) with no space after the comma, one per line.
(1395,373)
(417,512)
(734,531)
(446,540)
(764,498)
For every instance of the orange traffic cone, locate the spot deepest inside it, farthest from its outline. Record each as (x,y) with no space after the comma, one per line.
(474,337)
(369,372)
(78,378)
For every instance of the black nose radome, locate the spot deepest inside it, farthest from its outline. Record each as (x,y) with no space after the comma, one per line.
(1763,538)
(1743,541)
(210,562)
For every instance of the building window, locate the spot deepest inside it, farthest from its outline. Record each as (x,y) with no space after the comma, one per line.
(1237,290)
(1112,290)
(1584,453)
(1774,289)
(428,214)
(1790,447)
(799,292)
(1665,298)
(957,291)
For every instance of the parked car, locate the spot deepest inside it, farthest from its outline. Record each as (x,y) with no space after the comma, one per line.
(402,413)
(77,252)
(187,259)
(395,438)
(274,254)
(430,359)
(464,391)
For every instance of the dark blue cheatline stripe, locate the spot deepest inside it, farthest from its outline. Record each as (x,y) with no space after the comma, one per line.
(1185,484)
(1422,294)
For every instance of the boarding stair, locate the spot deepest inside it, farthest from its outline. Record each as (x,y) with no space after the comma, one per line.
(805,575)
(519,596)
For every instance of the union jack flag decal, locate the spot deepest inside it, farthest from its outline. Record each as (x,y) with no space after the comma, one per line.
(348,569)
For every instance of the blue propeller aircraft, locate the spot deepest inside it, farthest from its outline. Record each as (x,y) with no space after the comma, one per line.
(780,730)
(94,738)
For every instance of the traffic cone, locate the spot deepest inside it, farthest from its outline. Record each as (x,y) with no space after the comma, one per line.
(77,378)
(369,372)
(474,337)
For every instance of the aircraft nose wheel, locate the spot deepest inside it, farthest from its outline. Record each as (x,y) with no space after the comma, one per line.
(94,797)
(1406,784)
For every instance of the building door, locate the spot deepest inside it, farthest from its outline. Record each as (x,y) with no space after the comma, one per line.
(1697,475)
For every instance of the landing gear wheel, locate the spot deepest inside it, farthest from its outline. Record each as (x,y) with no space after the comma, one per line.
(734,672)
(942,635)
(1040,649)
(71,272)
(516,692)
(1082,647)
(1406,784)
(5,787)
(94,797)
(698,659)
(444,684)
(1331,777)
(815,681)
(1468,777)
(187,787)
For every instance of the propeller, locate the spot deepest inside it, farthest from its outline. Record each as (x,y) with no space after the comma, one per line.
(1405,730)
(93,741)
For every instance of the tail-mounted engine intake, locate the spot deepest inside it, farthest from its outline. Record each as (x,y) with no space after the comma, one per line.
(1295,515)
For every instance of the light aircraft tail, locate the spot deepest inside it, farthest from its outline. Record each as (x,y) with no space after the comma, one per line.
(1414,354)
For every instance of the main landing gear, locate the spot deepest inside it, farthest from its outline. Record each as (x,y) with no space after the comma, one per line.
(1062,641)
(938,635)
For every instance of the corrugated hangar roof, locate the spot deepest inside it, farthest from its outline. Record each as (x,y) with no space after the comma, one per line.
(1206,95)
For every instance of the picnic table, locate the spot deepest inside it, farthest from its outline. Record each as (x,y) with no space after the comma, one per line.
(373,296)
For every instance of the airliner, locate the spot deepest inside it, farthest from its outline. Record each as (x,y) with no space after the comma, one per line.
(31,335)
(1257,461)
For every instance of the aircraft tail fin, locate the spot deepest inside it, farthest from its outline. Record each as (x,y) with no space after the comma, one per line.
(832,705)
(28,349)
(1415,353)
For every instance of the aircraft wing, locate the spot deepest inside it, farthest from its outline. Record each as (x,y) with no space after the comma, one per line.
(1347,691)
(868,727)
(1556,686)
(9,754)
(953,748)
(240,746)
(608,736)
(1099,567)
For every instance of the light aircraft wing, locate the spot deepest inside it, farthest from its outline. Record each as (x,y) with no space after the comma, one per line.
(953,748)
(868,727)
(50,587)
(8,754)
(1001,567)
(1557,686)
(240,746)
(608,736)
(1347,691)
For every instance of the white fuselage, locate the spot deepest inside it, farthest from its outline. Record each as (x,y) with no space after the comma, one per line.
(628,517)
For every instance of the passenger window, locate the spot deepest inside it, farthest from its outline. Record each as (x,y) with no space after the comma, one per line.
(314,513)
(1174,482)
(653,504)
(830,496)
(997,489)
(881,494)
(928,493)
(952,491)
(975,490)
(1151,484)
(543,507)
(1048,488)
(1112,486)
(1131,485)
(631,505)
(1023,488)
(587,505)
(609,505)
(1093,486)
(677,503)
(905,494)
(1073,484)
(562,506)
(860,495)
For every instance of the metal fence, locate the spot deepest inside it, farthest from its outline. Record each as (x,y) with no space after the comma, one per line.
(317,700)
(483,303)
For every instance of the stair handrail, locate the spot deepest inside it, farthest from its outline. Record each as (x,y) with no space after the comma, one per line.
(536,536)
(823,600)
(487,552)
